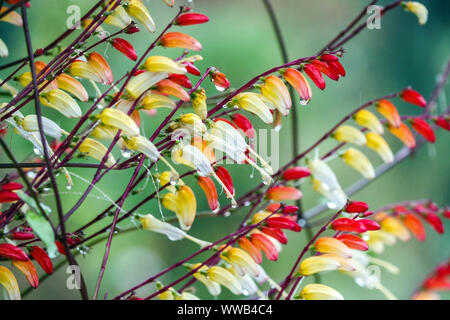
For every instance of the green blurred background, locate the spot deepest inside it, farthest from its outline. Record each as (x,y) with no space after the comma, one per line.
(239,40)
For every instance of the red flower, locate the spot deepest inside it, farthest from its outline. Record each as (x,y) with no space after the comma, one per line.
(315,75)
(328,57)
(296,173)
(290,209)
(353,242)
(283,223)
(181,79)
(348,225)
(244,124)
(12,252)
(423,128)
(11,186)
(275,233)
(442,122)
(8,196)
(60,247)
(435,222)
(191,18)
(22,235)
(42,258)
(273,207)
(260,241)
(225,177)
(446,213)
(337,67)
(325,69)
(125,47)
(357,207)
(369,224)
(220,80)
(192,69)
(413,97)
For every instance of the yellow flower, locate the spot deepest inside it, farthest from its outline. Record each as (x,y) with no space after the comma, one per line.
(184,204)
(3,49)
(193,123)
(163,64)
(199,103)
(377,240)
(150,223)
(418,9)
(367,119)
(323,173)
(394,226)
(318,264)
(62,102)
(349,134)
(332,245)
(96,68)
(104,132)
(277,93)
(144,81)
(155,101)
(346,263)
(357,160)
(12,17)
(225,278)
(253,102)
(118,18)
(319,292)
(120,120)
(212,286)
(377,143)
(72,86)
(241,260)
(30,124)
(166,295)
(9,282)
(137,10)
(96,150)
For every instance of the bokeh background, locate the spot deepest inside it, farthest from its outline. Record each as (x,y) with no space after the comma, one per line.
(240,41)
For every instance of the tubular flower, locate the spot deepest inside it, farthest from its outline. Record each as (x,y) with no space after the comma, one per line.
(333,246)
(315,75)
(247,283)
(413,97)
(181,79)
(414,225)
(242,261)
(316,264)
(394,226)
(170,3)
(443,122)
(368,120)
(171,88)
(389,112)
(50,128)
(423,128)
(357,160)
(96,69)
(283,193)
(418,9)
(244,124)
(296,173)
(253,103)
(336,197)
(322,172)
(225,278)
(212,286)
(210,191)
(275,90)
(9,282)
(12,252)
(118,17)
(124,47)
(275,233)
(184,204)
(380,146)
(319,292)
(191,123)
(8,196)
(180,40)
(163,64)
(22,235)
(96,150)
(152,224)
(251,249)
(226,179)
(353,242)
(3,49)
(120,120)
(377,240)
(188,19)
(283,223)
(155,101)
(11,186)
(325,68)
(26,78)
(219,79)
(263,243)
(336,67)
(62,102)
(137,10)
(350,135)
(356,207)
(73,86)
(104,132)
(199,103)
(144,81)
(346,263)
(28,269)
(435,222)
(12,17)
(404,135)
(348,225)
(42,258)
(298,81)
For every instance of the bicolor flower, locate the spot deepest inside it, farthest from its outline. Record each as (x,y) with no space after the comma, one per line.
(225,278)
(336,197)
(389,112)
(316,264)
(377,240)
(380,146)
(188,19)
(353,242)
(241,260)
(4,52)
(252,102)
(99,32)
(96,68)
(181,79)
(28,269)
(418,9)
(156,101)
(213,287)
(413,223)
(262,242)
(96,150)
(42,258)
(394,226)
(73,86)
(404,135)
(283,193)
(144,81)
(251,249)
(189,122)
(358,161)
(12,252)
(150,223)
(274,89)
(225,177)
(275,233)
(368,120)
(298,81)
(199,103)
(184,204)
(115,118)
(180,40)
(163,64)
(356,207)
(118,17)
(124,47)
(219,79)
(346,263)
(319,292)
(350,135)
(137,10)
(50,128)
(315,75)
(424,129)
(208,187)
(322,172)
(9,282)
(12,17)
(333,246)
(171,88)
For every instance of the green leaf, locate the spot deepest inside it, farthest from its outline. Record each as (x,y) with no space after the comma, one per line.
(44,231)
(32,203)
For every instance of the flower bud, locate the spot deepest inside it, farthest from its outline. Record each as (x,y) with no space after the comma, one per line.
(42,258)
(283,193)
(137,10)
(404,135)
(357,160)
(424,129)
(180,40)
(377,143)
(298,81)
(349,134)
(315,75)
(124,47)
(163,64)
(389,111)
(316,264)
(367,119)
(9,282)
(188,19)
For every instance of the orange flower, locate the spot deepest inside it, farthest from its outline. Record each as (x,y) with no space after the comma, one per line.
(297,80)
(353,242)
(332,245)
(73,86)
(28,269)
(210,191)
(170,88)
(413,223)
(180,40)
(389,111)
(403,134)
(9,282)
(260,241)
(251,249)
(282,193)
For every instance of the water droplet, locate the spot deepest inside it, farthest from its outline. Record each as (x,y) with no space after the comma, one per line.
(302,222)
(304,102)
(220,89)
(69,187)
(331,205)
(216,210)
(227,214)
(126,153)
(247,203)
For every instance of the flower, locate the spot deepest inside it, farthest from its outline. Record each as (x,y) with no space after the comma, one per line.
(262,242)
(171,88)
(323,173)
(315,75)
(180,40)
(96,150)
(274,89)
(442,122)
(152,224)
(348,225)
(389,111)
(353,242)
(336,67)
(377,143)
(336,197)
(332,245)
(199,103)
(404,135)
(435,222)
(283,223)
(62,102)
(212,286)
(137,10)
(181,79)
(225,278)
(367,119)
(120,120)
(3,49)
(357,160)
(394,226)
(8,196)
(184,204)
(346,263)
(42,259)
(226,179)
(296,173)
(283,193)
(319,292)
(12,252)
(243,123)
(412,96)
(118,17)
(298,81)
(210,191)
(423,128)
(188,19)
(96,68)
(418,9)
(9,282)
(124,47)
(252,102)
(12,17)
(251,249)
(50,128)
(163,64)
(144,81)
(316,264)
(73,86)
(413,223)
(275,233)
(356,207)
(350,135)
(28,269)
(241,260)
(155,101)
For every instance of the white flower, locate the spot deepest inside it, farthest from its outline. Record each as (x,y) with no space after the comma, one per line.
(30,124)
(152,224)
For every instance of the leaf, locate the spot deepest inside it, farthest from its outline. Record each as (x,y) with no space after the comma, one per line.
(44,231)
(32,203)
